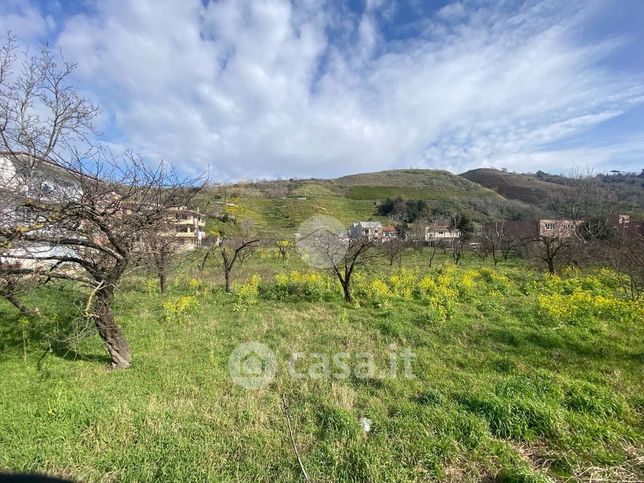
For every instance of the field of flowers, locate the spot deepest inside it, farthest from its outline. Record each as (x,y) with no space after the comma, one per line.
(573,297)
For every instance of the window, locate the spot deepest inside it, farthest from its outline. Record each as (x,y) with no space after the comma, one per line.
(550,226)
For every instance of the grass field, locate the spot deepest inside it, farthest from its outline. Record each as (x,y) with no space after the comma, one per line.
(518,377)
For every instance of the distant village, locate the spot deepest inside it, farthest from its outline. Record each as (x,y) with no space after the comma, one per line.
(186,226)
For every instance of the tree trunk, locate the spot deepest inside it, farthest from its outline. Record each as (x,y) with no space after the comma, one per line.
(551,265)
(227,278)
(163,282)
(112,336)
(15,301)
(202,265)
(346,288)
(431,257)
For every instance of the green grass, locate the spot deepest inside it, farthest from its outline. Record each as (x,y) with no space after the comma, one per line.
(410,193)
(500,390)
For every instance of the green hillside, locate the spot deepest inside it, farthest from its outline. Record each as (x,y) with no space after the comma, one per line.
(279,206)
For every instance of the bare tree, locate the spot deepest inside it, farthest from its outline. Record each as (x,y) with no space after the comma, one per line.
(231,249)
(394,250)
(92,232)
(459,246)
(283,247)
(41,116)
(461,223)
(160,254)
(553,251)
(356,252)
(496,241)
(71,211)
(625,254)
(328,249)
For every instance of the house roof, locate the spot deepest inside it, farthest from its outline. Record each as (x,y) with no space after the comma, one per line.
(437,226)
(370,224)
(388,229)
(25,164)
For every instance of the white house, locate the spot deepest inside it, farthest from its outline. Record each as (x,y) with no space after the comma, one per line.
(22,178)
(436,233)
(371,230)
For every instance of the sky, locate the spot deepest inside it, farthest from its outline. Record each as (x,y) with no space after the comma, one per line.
(248,89)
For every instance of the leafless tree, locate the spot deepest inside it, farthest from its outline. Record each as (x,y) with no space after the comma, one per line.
(160,254)
(356,252)
(394,250)
(72,211)
(461,223)
(459,246)
(41,116)
(231,249)
(625,254)
(328,247)
(496,241)
(283,247)
(553,251)
(92,232)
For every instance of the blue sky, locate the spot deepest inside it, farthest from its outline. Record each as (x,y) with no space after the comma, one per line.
(280,88)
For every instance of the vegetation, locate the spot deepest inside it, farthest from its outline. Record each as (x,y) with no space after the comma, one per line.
(518,376)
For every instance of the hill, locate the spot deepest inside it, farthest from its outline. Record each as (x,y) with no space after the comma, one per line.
(279,206)
(523,187)
(539,188)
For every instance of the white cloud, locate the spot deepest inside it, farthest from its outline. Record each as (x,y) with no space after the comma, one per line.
(274,87)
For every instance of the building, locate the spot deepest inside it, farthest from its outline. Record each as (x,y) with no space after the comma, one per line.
(437,232)
(525,230)
(389,233)
(186,227)
(370,230)
(24,179)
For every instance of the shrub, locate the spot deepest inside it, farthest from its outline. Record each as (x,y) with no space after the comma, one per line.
(175,309)
(297,285)
(249,290)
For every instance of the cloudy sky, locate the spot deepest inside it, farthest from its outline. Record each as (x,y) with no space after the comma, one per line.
(279,88)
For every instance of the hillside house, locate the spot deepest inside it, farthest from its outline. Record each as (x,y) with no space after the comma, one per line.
(389,233)
(186,227)
(370,230)
(437,232)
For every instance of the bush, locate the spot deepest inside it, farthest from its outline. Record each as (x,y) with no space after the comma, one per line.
(175,309)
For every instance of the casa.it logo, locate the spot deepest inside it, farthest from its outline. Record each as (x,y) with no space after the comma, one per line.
(252,365)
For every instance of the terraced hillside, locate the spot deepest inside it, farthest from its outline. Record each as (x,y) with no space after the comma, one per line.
(280,206)
(523,187)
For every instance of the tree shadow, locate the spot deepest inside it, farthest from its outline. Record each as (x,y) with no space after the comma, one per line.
(41,335)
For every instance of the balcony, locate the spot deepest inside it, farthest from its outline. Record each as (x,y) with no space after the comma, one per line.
(190,222)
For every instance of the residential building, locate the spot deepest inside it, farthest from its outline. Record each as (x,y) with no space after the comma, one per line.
(389,233)
(186,226)
(370,230)
(438,232)
(25,178)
